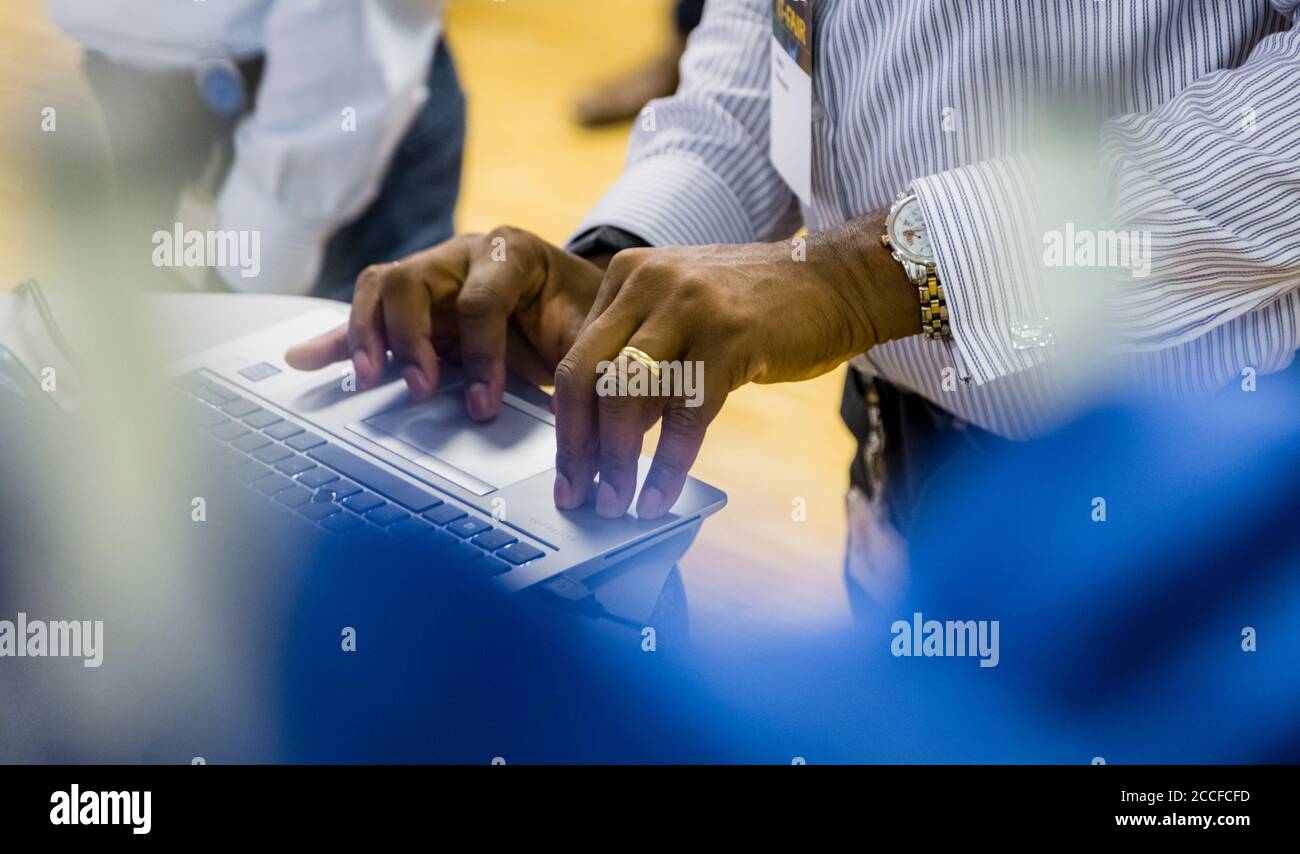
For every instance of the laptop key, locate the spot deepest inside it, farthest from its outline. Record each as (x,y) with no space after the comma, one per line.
(317,511)
(493,540)
(273,454)
(491,566)
(317,477)
(208,417)
(296,464)
(190,381)
(386,484)
(261,418)
(468,527)
(518,553)
(224,457)
(387,515)
(340,522)
(250,471)
(367,536)
(213,394)
(443,514)
(434,539)
(459,553)
(362,502)
(251,442)
(337,490)
(273,484)
(294,496)
(239,407)
(304,440)
(259,372)
(282,430)
(230,431)
(411,526)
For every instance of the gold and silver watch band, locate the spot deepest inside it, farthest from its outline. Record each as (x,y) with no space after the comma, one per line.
(934,309)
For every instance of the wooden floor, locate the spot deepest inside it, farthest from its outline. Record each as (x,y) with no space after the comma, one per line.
(755,570)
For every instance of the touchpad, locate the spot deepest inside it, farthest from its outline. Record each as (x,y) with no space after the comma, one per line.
(480,456)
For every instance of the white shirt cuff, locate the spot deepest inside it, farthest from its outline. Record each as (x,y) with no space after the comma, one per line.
(287,252)
(983,223)
(672,201)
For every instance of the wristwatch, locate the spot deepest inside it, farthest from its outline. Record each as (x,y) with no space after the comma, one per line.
(908,239)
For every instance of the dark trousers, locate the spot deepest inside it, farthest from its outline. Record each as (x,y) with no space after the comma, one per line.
(418,197)
(687,15)
(905,446)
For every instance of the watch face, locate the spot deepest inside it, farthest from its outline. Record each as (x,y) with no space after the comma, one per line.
(909,234)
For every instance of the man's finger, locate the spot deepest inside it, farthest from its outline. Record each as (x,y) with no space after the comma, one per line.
(687,417)
(575,404)
(621,423)
(503,270)
(631,395)
(483,311)
(323,350)
(408,327)
(366,342)
(620,269)
(680,438)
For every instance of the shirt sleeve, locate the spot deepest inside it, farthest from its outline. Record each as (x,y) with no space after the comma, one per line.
(342,83)
(1212,176)
(697,168)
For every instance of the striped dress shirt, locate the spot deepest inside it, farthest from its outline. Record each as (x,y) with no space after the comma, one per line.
(1197,144)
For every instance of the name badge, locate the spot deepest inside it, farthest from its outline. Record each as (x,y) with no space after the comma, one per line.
(791,87)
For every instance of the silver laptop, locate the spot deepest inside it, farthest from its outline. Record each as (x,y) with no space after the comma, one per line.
(375,463)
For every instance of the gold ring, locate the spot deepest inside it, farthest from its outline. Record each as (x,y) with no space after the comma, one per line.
(642,358)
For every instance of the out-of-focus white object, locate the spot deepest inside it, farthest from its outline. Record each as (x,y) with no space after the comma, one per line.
(31,334)
(342,84)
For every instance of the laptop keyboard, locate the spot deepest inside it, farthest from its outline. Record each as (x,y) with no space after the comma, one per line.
(338,490)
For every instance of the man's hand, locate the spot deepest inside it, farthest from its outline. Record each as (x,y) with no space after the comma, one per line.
(504,298)
(755,313)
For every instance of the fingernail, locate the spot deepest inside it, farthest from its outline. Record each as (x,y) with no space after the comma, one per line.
(361,364)
(607,503)
(477,401)
(650,505)
(416,381)
(563,492)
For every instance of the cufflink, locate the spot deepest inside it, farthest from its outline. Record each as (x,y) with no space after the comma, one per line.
(1032,335)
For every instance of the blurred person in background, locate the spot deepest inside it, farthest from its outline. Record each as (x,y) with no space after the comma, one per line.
(332,130)
(623,97)
(969,343)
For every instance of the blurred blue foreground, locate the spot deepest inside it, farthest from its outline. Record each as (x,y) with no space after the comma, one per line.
(1165,633)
